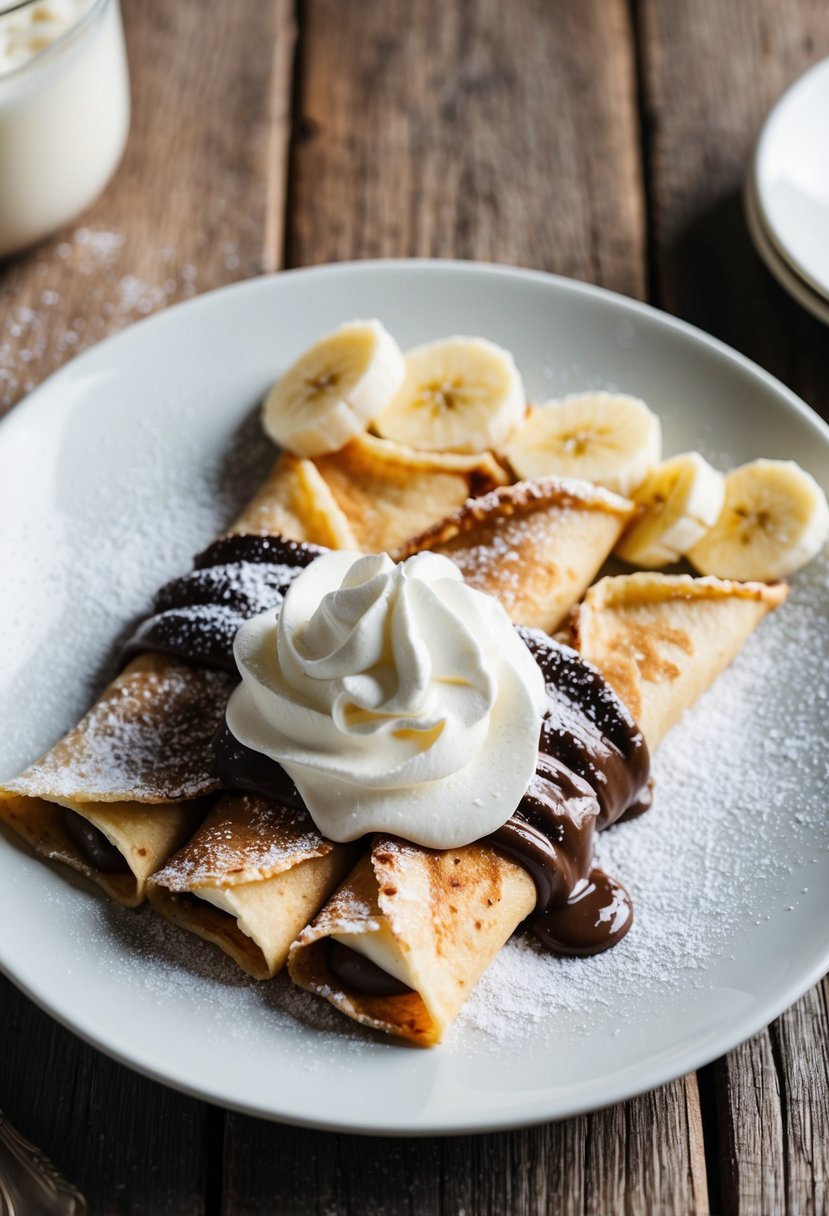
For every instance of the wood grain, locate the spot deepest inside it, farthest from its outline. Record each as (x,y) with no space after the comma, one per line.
(130,1145)
(639,1158)
(710,73)
(197,202)
(472,130)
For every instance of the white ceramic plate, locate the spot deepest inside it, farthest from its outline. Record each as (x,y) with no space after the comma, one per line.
(792,176)
(122,465)
(783,271)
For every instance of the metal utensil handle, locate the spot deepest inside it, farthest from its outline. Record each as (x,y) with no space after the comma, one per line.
(29,1183)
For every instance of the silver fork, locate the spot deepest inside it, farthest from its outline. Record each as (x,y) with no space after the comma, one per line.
(29,1183)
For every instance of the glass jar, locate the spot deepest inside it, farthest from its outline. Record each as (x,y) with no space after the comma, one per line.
(64,111)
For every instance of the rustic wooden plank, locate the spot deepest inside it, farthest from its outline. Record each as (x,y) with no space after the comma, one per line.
(711,72)
(800,1039)
(197,202)
(751,1129)
(648,1156)
(508,133)
(130,1145)
(476,130)
(641,1157)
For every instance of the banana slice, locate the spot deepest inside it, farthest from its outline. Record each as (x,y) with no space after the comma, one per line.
(459,395)
(682,498)
(774,519)
(335,389)
(609,439)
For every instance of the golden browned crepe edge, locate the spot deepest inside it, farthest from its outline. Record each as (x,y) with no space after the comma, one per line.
(644,658)
(534,546)
(522,498)
(475,897)
(145,843)
(267,857)
(387,491)
(295,501)
(294,895)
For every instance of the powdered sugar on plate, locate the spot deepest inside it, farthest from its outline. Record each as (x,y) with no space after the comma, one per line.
(733,778)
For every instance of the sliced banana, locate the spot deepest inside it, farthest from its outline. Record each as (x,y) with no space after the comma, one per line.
(607,438)
(459,395)
(774,519)
(681,499)
(335,389)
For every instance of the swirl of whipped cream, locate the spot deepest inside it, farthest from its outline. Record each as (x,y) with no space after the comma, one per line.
(396,697)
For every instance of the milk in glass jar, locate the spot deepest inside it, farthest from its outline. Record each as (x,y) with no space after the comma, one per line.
(64,111)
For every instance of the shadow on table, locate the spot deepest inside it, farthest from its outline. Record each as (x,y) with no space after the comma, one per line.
(712,276)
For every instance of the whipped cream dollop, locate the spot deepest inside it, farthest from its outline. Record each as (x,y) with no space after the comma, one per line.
(396,697)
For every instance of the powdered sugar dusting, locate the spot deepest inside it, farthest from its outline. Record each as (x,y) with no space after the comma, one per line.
(262,840)
(148,739)
(704,867)
(174,969)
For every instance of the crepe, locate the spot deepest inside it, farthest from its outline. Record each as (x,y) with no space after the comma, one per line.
(436,920)
(136,768)
(661,640)
(443,915)
(388,492)
(250,879)
(535,546)
(296,502)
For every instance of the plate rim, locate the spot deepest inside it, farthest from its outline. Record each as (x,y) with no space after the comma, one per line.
(676,1064)
(767,134)
(783,271)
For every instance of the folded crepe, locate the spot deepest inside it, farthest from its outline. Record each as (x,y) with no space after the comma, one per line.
(125,788)
(428,924)
(535,546)
(661,640)
(250,879)
(118,795)
(387,492)
(297,502)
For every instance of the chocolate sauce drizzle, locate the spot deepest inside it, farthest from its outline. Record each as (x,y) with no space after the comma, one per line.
(593,768)
(196,617)
(593,764)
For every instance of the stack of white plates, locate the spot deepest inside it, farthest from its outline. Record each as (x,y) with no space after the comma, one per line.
(787,191)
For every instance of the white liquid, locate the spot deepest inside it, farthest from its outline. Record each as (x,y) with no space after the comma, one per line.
(64,113)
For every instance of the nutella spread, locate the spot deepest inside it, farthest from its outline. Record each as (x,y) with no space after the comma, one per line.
(93,845)
(360,974)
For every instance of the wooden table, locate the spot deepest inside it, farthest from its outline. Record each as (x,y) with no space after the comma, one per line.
(593,138)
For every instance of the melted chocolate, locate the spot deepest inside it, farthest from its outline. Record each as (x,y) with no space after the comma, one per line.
(360,974)
(196,617)
(551,832)
(93,845)
(240,768)
(588,728)
(596,915)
